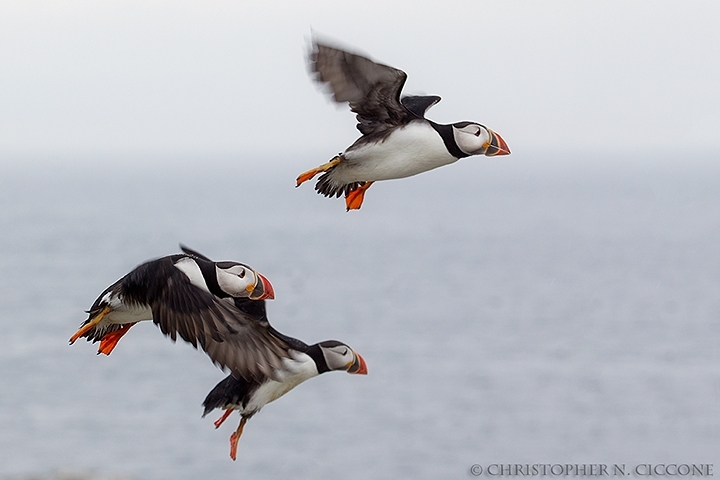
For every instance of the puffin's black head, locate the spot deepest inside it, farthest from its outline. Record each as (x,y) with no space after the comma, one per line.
(475,139)
(338,356)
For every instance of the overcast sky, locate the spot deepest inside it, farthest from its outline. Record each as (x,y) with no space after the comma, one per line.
(230,77)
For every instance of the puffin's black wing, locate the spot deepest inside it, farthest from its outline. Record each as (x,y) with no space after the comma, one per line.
(371,89)
(419,104)
(255,309)
(193,253)
(232,338)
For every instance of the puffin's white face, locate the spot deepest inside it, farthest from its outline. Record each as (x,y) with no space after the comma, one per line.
(472,138)
(475,139)
(339,356)
(235,279)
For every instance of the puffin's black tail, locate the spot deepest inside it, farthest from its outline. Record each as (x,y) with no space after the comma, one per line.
(229,392)
(326,186)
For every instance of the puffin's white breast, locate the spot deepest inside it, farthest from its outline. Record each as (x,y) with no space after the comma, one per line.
(407,151)
(122,312)
(295,370)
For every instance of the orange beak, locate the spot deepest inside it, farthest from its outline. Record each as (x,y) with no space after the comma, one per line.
(263,290)
(358,367)
(497,146)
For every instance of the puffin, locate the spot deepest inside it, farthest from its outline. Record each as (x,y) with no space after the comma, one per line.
(397,140)
(186,294)
(247,393)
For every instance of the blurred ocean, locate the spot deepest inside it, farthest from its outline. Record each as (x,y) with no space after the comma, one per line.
(514,310)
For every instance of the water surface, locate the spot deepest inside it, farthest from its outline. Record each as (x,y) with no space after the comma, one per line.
(524,310)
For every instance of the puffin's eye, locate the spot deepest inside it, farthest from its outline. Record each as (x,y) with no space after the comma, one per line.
(241,274)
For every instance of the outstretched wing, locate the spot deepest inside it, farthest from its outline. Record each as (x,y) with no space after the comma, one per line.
(371,89)
(234,339)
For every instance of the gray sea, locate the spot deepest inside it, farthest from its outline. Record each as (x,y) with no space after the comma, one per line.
(529,309)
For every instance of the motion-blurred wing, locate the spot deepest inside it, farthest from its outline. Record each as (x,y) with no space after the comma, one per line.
(371,89)
(233,339)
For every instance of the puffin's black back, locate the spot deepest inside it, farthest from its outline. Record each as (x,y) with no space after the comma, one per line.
(418,104)
(153,280)
(147,281)
(256,309)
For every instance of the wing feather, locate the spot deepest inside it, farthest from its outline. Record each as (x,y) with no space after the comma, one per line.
(371,89)
(233,339)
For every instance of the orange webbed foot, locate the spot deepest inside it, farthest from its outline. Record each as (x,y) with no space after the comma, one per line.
(110,340)
(354,199)
(89,325)
(304,177)
(235,438)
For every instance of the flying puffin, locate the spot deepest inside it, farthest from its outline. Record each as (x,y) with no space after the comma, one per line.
(184,293)
(247,393)
(397,140)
